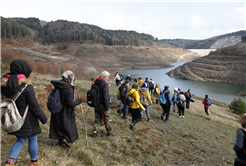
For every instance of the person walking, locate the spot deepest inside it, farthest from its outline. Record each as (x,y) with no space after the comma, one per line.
(174,99)
(188,99)
(207,102)
(151,86)
(147,82)
(63,124)
(134,108)
(123,91)
(157,92)
(240,145)
(102,110)
(140,82)
(145,100)
(166,107)
(117,79)
(181,104)
(11,83)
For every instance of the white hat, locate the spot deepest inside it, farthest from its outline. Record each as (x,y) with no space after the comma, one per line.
(176,89)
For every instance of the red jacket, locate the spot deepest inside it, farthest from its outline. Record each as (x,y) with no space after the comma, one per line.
(204,102)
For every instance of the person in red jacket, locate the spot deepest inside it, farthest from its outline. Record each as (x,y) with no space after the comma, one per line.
(207,102)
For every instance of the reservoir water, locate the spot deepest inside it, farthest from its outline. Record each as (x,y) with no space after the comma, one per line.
(222,92)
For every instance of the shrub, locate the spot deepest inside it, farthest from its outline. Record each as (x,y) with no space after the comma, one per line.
(93,78)
(238,106)
(4,66)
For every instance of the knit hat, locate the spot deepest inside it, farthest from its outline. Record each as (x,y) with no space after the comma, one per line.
(176,89)
(157,84)
(135,86)
(144,85)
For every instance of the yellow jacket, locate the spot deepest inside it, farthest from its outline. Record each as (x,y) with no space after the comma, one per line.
(140,82)
(146,93)
(136,99)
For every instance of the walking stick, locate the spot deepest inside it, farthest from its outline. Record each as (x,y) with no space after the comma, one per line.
(120,110)
(84,122)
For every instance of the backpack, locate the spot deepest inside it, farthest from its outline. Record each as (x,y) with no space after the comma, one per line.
(143,100)
(182,97)
(187,94)
(54,104)
(180,103)
(118,94)
(208,101)
(151,85)
(157,90)
(11,120)
(162,98)
(93,98)
(128,99)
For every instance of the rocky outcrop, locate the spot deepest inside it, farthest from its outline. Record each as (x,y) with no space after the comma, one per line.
(226,41)
(226,65)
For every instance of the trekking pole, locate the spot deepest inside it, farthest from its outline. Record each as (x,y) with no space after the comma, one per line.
(120,110)
(84,122)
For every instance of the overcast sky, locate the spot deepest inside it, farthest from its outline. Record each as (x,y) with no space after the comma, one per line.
(194,19)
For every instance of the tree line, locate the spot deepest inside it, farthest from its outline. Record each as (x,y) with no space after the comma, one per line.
(67,31)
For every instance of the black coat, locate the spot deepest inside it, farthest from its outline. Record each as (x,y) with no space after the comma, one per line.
(103,92)
(63,124)
(31,124)
(123,91)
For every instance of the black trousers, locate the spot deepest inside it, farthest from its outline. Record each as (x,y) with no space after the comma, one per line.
(206,110)
(236,163)
(136,115)
(181,111)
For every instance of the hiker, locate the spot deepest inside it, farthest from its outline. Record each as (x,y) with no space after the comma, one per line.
(145,100)
(123,91)
(140,82)
(117,79)
(240,144)
(147,82)
(63,124)
(166,107)
(102,122)
(102,110)
(179,91)
(11,83)
(157,92)
(128,77)
(134,109)
(135,80)
(151,86)
(181,104)
(207,102)
(174,99)
(188,99)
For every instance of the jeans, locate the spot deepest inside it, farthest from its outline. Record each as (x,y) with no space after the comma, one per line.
(166,111)
(174,108)
(126,106)
(32,147)
(146,110)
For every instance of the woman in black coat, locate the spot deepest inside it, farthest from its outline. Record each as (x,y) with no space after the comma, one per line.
(63,124)
(11,83)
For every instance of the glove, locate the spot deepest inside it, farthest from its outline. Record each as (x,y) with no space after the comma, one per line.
(79,101)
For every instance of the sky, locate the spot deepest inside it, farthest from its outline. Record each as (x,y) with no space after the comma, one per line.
(163,19)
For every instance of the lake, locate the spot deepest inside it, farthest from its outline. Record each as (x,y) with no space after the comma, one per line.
(222,92)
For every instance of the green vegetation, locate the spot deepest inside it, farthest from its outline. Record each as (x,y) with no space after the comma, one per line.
(4,66)
(238,106)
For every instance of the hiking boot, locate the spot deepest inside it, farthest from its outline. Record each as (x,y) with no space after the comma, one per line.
(10,163)
(132,127)
(165,120)
(162,117)
(95,134)
(35,163)
(111,134)
(183,116)
(179,116)
(124,117)
(66,142)
(60,142)
(148,119)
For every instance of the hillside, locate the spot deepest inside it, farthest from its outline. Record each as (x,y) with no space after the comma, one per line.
(90,59)
(226,65)
(216,42)
(195,140)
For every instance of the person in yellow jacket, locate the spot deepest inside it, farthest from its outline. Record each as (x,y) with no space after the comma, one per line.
(134,108)
(145,100)
(140,82)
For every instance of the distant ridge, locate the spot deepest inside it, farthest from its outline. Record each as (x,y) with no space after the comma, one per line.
(216,42)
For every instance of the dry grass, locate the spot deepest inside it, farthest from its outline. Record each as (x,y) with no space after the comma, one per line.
(195,140)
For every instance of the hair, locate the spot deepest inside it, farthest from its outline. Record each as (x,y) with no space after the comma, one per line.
(206,96)
(166,87)
(126,81)
(139,78)
(146,78)
(104,74)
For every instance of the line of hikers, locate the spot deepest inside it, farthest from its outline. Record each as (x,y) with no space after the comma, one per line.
(61,103)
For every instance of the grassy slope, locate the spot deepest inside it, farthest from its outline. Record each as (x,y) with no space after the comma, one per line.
(195,140)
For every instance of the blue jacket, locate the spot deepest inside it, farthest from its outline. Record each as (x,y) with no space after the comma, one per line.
(239,144)
(175,96)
